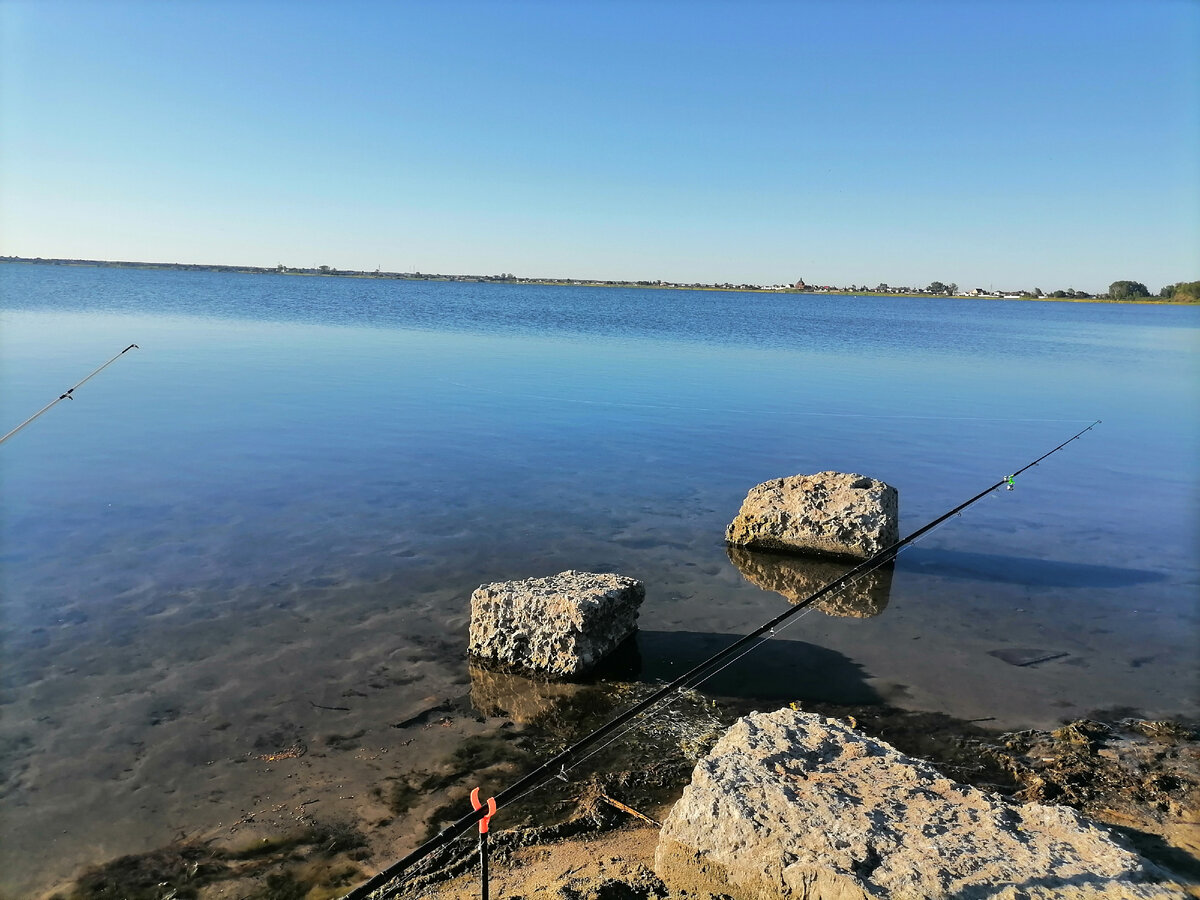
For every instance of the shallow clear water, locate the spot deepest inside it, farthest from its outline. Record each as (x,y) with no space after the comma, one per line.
(296,482)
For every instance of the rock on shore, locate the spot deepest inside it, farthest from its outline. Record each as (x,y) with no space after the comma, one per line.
(830,513)
(562,625)
(791,804)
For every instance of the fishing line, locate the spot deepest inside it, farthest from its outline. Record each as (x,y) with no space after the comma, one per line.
(774,632)
(565,774)
(68,394)
(653,712)
(699,673)
(656,711)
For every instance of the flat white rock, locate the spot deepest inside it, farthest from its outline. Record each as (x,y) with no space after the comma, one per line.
(790,804)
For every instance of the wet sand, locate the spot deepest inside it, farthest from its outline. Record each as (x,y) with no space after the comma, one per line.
(594,835)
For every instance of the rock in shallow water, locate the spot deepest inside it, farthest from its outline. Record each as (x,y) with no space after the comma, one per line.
(790,804)
(562,625)
(833,513)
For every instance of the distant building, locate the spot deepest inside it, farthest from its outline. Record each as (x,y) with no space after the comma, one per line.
(800,285)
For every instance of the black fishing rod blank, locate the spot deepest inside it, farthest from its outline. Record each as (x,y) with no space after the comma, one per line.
(557,765)
(68,394)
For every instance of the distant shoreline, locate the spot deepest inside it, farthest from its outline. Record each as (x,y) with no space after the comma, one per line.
(551,282)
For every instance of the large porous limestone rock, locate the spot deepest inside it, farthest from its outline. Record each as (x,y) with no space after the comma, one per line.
(790,804)
(562,625)
(833,513)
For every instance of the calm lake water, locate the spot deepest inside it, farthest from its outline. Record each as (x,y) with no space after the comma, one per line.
(273,513)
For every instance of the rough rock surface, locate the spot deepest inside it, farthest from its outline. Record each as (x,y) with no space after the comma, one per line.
(797,578)
(791,804)
(832,513)
(562,625)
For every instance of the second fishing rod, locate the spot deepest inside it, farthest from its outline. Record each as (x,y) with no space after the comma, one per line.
(557,765)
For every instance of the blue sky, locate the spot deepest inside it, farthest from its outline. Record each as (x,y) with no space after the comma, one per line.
(1019,144)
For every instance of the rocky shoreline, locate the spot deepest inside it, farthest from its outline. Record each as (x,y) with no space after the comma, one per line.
(1139,779)
(575,839)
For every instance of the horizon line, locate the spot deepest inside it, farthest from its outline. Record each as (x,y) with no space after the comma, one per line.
(799,286)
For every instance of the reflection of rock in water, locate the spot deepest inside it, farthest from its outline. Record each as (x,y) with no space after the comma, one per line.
(798,577)
(521,699)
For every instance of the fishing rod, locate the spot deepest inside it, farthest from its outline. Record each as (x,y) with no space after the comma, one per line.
(557,765)
(68,394)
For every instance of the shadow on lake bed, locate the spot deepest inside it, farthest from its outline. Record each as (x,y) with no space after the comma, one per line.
(777,670)
(1024,570)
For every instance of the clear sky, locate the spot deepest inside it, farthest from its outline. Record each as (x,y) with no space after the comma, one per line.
(1018,144)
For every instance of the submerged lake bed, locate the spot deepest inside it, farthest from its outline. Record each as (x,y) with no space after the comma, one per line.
(244,553)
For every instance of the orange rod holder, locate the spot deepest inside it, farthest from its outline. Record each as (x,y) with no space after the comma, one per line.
(491,805)
(483,839)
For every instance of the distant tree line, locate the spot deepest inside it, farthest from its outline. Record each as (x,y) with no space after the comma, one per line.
(1127,290)
(1183,291)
